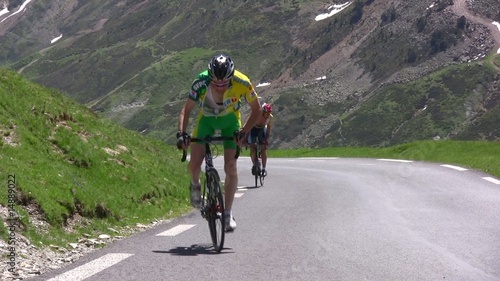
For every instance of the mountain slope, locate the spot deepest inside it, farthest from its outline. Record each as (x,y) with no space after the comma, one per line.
(133,61)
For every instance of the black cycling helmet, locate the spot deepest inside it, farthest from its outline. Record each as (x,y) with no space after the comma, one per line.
(221,67)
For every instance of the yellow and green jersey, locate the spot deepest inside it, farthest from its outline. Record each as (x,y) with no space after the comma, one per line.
(240,88)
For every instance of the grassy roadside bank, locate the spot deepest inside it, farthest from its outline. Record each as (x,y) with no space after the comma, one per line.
(76,172)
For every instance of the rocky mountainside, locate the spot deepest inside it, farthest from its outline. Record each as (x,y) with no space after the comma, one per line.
(132,61)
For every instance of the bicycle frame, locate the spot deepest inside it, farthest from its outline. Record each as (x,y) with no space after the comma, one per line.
(212,206)
(208,140)
(210,171)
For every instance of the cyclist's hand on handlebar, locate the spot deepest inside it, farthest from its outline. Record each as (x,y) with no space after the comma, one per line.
(241,138)
(183,140)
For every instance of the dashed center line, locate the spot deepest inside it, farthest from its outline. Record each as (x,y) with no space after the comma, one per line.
(395,160)
(238,195)
(91,268)
(176,230)
(318,158)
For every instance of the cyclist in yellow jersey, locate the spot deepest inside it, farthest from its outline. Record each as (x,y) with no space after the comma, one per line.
(218,92)
(260,133)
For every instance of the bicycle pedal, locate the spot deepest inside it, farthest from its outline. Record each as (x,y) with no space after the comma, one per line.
(203,212)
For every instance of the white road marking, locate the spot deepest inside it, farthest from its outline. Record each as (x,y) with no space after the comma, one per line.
(396,160)
(238,195)
(176,230)
(490,179)
(91,268)
(318,158)
(454,167)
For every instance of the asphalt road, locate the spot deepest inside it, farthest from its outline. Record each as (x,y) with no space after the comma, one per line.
(325,219)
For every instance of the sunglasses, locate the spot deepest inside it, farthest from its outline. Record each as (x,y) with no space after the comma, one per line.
(221,84)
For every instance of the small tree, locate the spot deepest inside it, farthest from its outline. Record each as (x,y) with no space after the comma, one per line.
(461,22)
(412,56)
(421,23)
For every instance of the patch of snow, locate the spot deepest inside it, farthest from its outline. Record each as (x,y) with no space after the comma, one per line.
(55,39)
(335,9)
(320,78)
(263,84)
(498,26)
(4,11)
(23,6)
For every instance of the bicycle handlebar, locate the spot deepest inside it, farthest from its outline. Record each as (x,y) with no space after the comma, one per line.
(209,140)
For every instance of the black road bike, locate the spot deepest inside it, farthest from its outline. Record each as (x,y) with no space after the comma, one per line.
(212,206)
(257,166)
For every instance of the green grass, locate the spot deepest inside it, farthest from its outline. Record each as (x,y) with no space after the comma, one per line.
(494,59)
(70,164)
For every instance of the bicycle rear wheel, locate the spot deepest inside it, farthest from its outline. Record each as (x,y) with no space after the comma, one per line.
(261,177)
(215,213)
(256,169)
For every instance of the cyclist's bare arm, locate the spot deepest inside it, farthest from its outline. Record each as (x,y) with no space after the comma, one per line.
(184,115)
(251,121)
(268,132)
(254,116)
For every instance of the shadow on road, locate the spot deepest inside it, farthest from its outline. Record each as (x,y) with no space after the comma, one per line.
(195,250)
(252,187)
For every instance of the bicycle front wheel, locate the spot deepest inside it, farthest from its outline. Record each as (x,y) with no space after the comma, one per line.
(215,213)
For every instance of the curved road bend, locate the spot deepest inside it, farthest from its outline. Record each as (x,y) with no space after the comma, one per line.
(325,219)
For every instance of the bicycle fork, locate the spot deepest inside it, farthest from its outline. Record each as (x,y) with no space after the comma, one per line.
(208,198)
